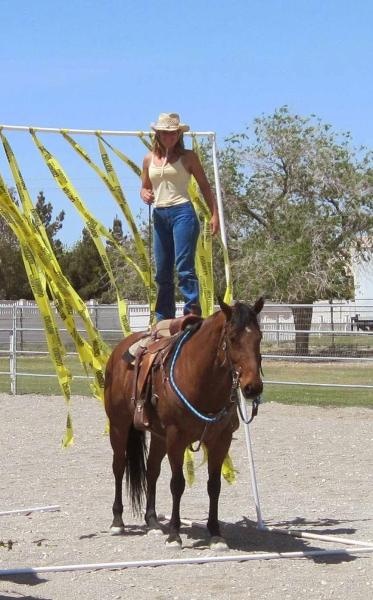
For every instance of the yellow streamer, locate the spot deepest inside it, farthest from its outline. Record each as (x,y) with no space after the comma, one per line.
(43,269)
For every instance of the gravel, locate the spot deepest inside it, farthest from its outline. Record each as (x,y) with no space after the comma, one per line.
(314,469)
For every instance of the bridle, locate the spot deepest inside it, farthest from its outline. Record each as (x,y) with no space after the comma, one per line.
(224,345)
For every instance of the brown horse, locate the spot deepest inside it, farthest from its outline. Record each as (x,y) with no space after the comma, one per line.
(194,397)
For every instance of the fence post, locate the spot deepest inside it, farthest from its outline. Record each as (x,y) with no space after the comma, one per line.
(278,329)
(13,353)
(332,322)
(20,303)
(92,305)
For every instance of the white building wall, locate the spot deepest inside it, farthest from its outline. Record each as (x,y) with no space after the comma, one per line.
(363,280)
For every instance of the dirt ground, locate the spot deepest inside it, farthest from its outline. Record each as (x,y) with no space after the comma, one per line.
(314,469)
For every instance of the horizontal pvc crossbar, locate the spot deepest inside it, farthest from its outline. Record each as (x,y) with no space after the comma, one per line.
(184,561)
(94,131)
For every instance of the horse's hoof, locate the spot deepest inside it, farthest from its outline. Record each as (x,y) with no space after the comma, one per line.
(174,542)
(218,543)
(117,530)
(155,531)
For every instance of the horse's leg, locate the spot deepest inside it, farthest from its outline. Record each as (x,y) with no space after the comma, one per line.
(118,440)
(216,454)
(157,450)
(175,452)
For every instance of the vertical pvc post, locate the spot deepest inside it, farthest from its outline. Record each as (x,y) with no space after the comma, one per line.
(254,484)
(13,353)
(220,204)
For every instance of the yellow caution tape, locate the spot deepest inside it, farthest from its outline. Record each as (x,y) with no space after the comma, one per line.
(95,228)
(112,182)
(188,466)
(43,269)
(228,471)
(38,283)
(41,266)
(228,296)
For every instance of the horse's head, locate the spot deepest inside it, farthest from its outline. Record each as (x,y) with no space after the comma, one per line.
(243,338)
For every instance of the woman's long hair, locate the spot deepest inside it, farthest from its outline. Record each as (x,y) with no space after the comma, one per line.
(159,150)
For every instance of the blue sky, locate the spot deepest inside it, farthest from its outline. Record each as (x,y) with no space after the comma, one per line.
(116,64)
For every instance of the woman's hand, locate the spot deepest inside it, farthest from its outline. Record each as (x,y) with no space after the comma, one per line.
(214,223)
(147,195)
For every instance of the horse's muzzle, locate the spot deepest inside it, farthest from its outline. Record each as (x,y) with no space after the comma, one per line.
(252,390)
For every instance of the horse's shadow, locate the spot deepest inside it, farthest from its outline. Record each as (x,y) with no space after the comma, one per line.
(244,536)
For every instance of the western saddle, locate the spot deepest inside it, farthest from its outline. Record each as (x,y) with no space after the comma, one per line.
(148,354)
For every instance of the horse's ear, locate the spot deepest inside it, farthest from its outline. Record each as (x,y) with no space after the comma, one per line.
(227,310)
(259,305)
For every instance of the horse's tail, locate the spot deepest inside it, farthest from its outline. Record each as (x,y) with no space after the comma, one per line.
(136,456)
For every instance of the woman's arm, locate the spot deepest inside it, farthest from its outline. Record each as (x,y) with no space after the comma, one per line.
(196,169)
(146,191)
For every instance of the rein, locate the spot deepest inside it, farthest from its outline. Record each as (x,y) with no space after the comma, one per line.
(213,417)
(208,418)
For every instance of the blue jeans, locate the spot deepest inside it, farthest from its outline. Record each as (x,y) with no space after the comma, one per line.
(176,231)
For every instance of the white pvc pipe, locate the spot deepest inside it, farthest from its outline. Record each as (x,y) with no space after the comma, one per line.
(254,484)
(183,561)
(25,511)
(316,536)
(93,131)
(219,200)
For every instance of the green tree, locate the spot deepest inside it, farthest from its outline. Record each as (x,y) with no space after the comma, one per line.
(128,281)
(52,226)
(299,203)
(13,279)
(83,267)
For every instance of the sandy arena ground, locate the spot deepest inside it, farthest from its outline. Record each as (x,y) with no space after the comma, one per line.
(314,469)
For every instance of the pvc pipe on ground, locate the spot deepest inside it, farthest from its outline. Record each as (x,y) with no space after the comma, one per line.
(182,561)
(25,511)
(316,536)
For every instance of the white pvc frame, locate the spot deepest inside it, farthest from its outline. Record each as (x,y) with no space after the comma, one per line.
(362,546)
(211,135)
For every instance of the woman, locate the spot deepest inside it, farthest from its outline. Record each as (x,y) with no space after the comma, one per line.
(166,174)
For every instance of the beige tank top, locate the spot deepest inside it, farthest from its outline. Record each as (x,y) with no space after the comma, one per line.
(170,183)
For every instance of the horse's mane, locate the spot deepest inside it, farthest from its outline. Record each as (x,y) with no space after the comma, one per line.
(242,316)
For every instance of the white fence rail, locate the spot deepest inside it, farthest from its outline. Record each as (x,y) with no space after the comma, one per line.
(337,332)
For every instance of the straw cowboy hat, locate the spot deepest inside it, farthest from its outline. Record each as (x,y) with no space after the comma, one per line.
(169,122)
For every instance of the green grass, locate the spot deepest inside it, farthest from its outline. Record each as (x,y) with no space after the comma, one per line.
(301,372)
(337,373)
(339,344)
(43,385)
